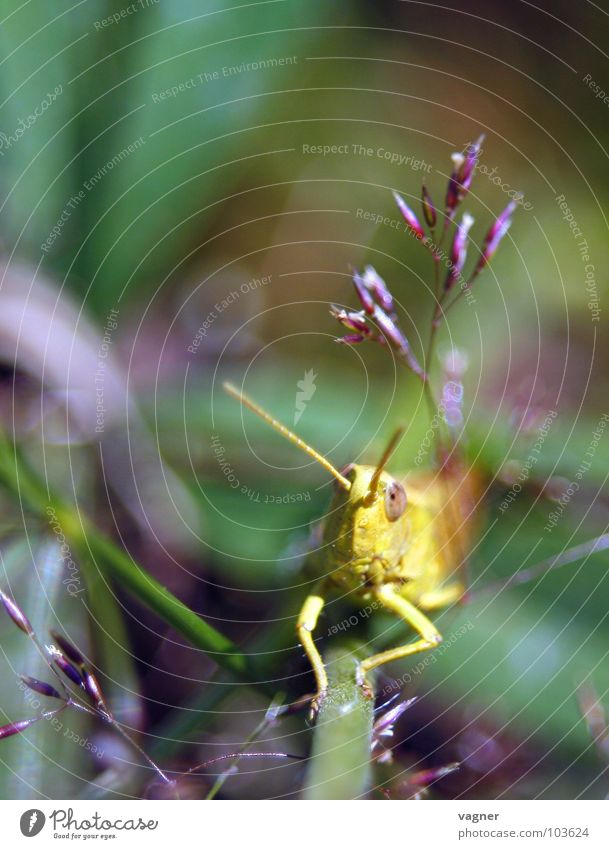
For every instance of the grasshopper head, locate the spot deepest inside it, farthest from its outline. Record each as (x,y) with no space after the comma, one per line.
(367,528)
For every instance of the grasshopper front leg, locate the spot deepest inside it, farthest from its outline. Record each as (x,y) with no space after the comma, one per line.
(430,636)
(307,620)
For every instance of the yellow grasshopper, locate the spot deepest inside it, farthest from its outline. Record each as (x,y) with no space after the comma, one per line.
(400,543)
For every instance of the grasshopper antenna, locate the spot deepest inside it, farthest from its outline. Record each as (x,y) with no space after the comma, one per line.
(283,430)
(374,480)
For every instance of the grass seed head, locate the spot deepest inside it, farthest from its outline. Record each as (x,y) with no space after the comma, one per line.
(16,614)
(40,687)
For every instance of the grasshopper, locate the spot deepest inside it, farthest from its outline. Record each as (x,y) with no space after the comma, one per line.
(397,541)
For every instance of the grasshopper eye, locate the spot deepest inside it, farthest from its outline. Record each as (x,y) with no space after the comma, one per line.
(395,501)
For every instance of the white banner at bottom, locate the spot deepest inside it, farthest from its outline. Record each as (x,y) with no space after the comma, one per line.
(305,825)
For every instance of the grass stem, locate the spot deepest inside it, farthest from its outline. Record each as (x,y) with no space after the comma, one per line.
(340,760)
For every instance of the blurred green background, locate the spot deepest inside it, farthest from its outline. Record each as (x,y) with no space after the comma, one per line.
(169,178)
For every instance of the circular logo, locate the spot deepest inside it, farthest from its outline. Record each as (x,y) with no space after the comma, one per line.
(32,822)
